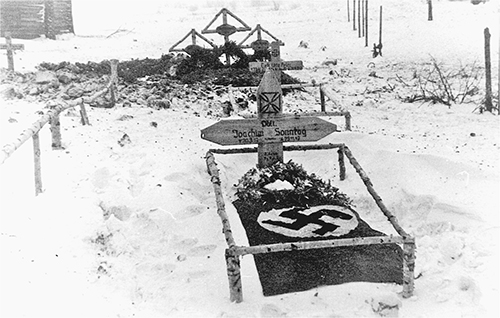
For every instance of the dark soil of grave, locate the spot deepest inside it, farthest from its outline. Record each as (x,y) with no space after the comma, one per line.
(294,271)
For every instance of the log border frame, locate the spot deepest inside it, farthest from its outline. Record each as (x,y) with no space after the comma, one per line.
(234,251)
(52,117)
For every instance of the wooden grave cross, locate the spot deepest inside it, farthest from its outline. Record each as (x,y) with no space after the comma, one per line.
(10,48)
(271,128)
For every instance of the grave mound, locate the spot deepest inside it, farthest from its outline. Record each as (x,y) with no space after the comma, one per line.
(283,203)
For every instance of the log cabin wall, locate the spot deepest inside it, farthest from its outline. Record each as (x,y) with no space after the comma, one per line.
(30,19)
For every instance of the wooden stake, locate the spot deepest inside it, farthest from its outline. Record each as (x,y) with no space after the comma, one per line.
(348,121)
(362,17)
(341,163)
(380,29)
(55,129)
(359,18)
(348,13)
(234,276)
(408,269)
(38,165)
(429,10)
(219,199)
(487,61)
(322,98)
(113,80)
(354,15)
(83,115)
(366,23)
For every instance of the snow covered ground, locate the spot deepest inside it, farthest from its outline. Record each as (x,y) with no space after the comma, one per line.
(133,230)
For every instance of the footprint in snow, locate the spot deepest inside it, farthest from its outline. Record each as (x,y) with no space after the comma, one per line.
(191,211)
(184,244)
(202,250)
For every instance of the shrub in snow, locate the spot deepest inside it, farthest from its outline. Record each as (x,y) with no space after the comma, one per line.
(386,305)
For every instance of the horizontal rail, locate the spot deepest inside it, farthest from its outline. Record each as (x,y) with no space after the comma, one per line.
(230,151)
(10,148)
(296,246)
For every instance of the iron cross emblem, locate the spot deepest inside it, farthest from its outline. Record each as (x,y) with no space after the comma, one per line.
(270,102)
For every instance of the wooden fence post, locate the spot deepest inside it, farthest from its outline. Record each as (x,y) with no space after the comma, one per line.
(408,269)
(359,18)
(354,15)
(487,61)
(322,97)
(340,152)
(234,276)
(362,17)
(55,129)
(348,121)
(348,13)
(114,77)
(380,29)
(366,23)
(38,165)
(429,10)
(83,114)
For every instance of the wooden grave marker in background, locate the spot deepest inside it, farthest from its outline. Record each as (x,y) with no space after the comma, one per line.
(10,48)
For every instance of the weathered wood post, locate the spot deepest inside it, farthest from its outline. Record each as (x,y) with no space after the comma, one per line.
(55,129)
(340,152)
(408,268)
(359,18)
(348,13)
(322,98)
(366,23)
(83,115)
(354,15)
(380,29)
(362,17)
(429,10)
(234,276)
(10,48)
(37,165)
(114,79)
(488,105)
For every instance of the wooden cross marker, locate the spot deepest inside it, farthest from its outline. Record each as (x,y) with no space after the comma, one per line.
(271,128)
(10,48)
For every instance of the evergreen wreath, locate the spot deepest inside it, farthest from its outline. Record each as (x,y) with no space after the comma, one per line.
(308,190)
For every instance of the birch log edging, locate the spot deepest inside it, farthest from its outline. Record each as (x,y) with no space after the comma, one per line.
(219,199)
(341,163)
(232,259)
(83,115)
(408,269)
(113,80)
(37,163)
(8,149)
(307,245)
(55,130)
(234,276)
(378,200)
